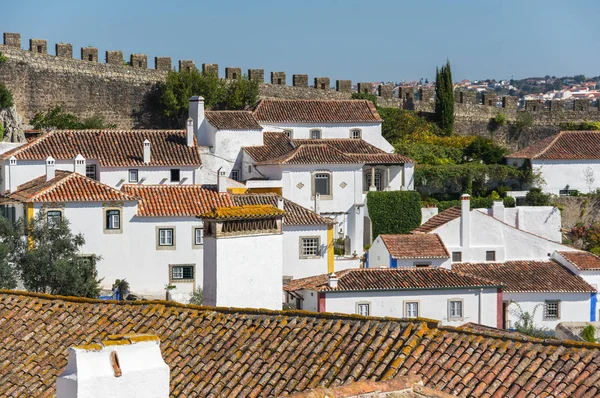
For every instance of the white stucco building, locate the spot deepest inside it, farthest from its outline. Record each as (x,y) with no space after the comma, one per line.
(434,293)
(568,161)
(417,250)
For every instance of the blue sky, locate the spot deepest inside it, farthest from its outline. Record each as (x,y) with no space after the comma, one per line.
(361,40)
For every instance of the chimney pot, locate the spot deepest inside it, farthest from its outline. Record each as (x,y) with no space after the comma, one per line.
(333,280)
(50,168)
(146,151)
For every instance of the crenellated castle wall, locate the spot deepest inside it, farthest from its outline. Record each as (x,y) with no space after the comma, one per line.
(123,91)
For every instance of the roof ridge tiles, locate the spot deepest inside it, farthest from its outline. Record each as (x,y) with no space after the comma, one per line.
(420,322)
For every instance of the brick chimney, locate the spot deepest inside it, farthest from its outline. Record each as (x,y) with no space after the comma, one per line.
(50,168)
(79,164)
(465,221)
(221,181)
(124,366)
(146,151)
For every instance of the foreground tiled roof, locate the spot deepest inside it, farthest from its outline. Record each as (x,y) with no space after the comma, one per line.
(415,246)
(294,213)
(391,279)
(278,149)
(232,120)
(66,186)
(438,220)
(258,353)
(316,111)
(564,145)
(112,148)
(176,200)
(243,212)
(584,261)
(528,276)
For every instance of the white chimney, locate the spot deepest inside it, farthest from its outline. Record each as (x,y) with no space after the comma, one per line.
(318,203)
(280,203)
(333,280)
(125,366)
(498,210)
(79,164)
(146,151)
(221,181)
(50,168)
(465,221)
(196,112)
(189,132)
(12,174)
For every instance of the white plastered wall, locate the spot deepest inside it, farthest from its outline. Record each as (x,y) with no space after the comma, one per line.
(295,266)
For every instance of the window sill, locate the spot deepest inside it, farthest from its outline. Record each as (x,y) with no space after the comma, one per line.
(197,247)
(113,231)
(309,257)
(323,197)
(174,281)
(159,247)
(456,319)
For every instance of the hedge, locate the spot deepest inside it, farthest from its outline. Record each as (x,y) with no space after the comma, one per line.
(476,203)
(395,212)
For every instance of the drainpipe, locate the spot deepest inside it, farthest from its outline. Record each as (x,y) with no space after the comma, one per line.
(479,309)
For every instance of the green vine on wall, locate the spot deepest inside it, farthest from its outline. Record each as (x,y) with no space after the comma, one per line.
(394,212)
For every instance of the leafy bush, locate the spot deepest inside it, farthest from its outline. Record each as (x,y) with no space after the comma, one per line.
(524,120)
(589,333)
(431,154)
(370,97)
(121,286)
(218,93)
(57,118)
(394,212)
(400,125)
(486,150)
(6,98)
(1,131)
(535,197)
(586,237)
(509,201)
(580,126)
(500,119)
(3,58)
(526,322)
(476,203)
(197,297)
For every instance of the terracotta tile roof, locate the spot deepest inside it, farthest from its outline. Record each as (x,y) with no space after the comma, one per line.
(294,213)
(277,148)
(528,276)
(584,261)
(415,246)
(232,120)
(274,145)
(316,111)
(564,145)
(112,148)
(176,200)
(313,153)
(438,220)
(66,186)
(243,212)
(229,352)
(391,279)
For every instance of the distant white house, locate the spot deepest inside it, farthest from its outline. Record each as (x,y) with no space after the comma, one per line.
(436,293)
(548,291)
(397,251)
(568,161)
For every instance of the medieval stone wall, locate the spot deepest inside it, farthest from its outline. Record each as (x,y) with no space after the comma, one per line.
(123,92)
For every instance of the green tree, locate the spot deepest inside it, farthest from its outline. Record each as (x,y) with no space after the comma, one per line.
(57,118)
(444,99)
(122,287)
(10,241)
(6,98)
(51,261)
(370,97)
(589,333)
(218,93)
(535,197)
(486,150)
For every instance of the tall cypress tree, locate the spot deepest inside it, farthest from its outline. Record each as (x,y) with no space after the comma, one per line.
(444,98)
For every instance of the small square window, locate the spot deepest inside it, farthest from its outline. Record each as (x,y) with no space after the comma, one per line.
(455,309)
(90,171)
(456,257)
(315,134)
(133,175)
(355,134)
(490,255)
(175,175)
(310,247)
(552,310)
(422,265)
(113,219)
(363,309)
(411,309)
(165,237)
(249,169)
(289,133)
(235,175)
(198,236)
(322,184)
(54,218)
(182,273)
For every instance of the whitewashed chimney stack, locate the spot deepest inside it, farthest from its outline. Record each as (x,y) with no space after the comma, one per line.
(50,168)
(146,151)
